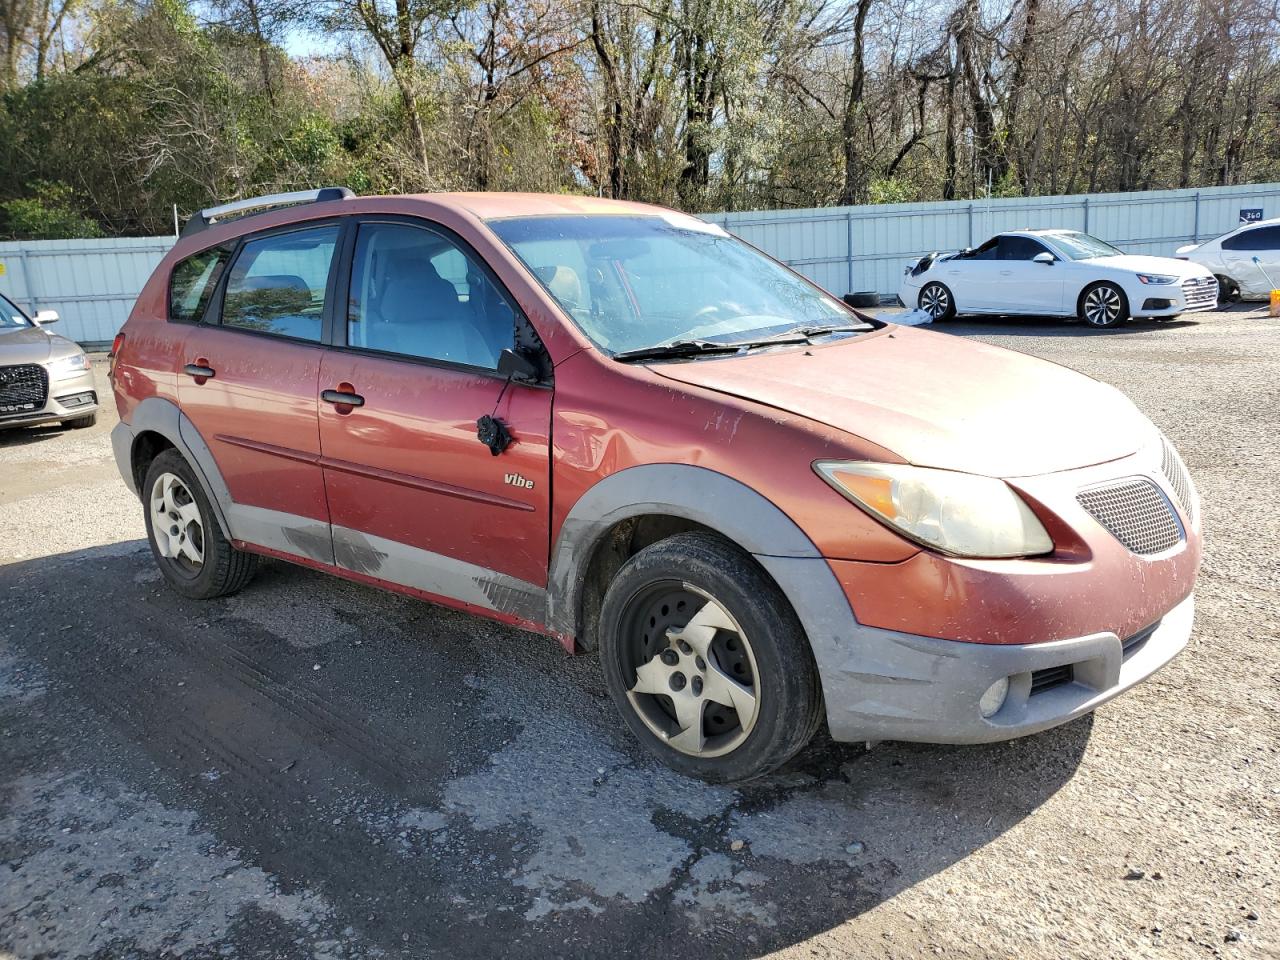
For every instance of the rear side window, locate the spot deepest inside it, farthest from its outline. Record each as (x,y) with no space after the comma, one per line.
(193,281)
(277,283)
(1020,248)
(985,252)
(1262,238)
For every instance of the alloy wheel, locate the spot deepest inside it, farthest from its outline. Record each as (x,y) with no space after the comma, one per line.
(696,681)
(1102,306)
(176,525)
(934,300)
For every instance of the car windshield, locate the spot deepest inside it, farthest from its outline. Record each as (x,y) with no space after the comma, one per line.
(1081,246)
(634,282)
(10,316)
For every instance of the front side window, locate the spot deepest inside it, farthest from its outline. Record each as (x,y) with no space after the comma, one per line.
(277,283)
(10,316)
(416,293)
(1081,246)
(1259,238)
(631,282)
(193,281)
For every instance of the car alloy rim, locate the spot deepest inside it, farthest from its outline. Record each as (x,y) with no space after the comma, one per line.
(176,526)
(696,680)
(934,300)
(1102,306)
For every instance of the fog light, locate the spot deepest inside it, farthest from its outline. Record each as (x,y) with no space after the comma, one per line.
(994,698)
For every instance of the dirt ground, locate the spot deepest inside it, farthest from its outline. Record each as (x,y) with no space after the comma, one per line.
(316,769)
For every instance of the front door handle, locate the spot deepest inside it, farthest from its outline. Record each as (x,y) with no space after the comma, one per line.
(200,371)
(342,397)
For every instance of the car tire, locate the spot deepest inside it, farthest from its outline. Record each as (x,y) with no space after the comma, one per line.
(80,423)
(1103,306)
(936,300)
(1228,290)
(195,558)
(693,631)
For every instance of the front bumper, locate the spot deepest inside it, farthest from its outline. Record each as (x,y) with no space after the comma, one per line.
(896,686)
(68,399)
(1168,300)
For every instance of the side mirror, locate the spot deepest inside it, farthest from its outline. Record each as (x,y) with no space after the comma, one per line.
(46,317)
(517,366)
(1046,258)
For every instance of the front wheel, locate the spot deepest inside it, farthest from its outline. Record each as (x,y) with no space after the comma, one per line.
(706,660)
(936,301)
(1103,306)
(1228,290)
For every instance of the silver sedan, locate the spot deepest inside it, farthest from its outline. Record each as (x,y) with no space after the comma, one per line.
(44,378)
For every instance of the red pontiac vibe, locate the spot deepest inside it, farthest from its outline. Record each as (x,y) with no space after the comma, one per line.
(619,426)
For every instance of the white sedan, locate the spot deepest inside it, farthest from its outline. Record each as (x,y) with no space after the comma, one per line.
(1056,273)
(1246,261)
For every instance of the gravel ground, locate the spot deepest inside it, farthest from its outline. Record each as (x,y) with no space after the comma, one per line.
(317,769)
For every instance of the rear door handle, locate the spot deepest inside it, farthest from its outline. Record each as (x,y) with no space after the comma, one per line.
(200,370)
(342,398)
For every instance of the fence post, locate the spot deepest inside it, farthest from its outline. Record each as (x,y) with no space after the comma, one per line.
(1086,215)
(971,225)
(1195,230)
(848,248)
(33,298)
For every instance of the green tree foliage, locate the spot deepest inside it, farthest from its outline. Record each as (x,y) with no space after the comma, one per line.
(51,212)
(113,112)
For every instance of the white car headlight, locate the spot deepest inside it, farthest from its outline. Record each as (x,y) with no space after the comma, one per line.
(65,367)
(956,513)
(1156,278)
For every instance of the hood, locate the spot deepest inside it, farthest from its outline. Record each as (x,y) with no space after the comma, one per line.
(29,345)
(1140,263)
(938,400)
(1188,248)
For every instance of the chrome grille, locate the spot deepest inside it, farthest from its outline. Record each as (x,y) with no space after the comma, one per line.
(1175,471)
(1201,293)
(23,388)
(1135,512)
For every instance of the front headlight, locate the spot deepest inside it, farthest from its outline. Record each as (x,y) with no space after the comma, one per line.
(957,513)
(65,367)
(1156,278)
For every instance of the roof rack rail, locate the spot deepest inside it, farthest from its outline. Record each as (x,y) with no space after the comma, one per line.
(211,215)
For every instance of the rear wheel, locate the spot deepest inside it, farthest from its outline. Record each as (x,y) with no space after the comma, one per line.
(706,660)
(186,541)
(1103,305)
(936,301)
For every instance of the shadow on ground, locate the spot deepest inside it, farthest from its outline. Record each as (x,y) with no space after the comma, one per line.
(314,768)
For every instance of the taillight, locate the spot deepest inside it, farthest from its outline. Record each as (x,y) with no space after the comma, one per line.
(116,344)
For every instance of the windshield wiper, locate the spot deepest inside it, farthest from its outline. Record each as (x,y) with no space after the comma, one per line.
(678,348)
(821,331)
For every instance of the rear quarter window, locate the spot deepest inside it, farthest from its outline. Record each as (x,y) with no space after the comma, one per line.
(192,283)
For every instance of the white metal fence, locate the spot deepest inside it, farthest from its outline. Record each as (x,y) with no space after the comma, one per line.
(93,283)
(848,249)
